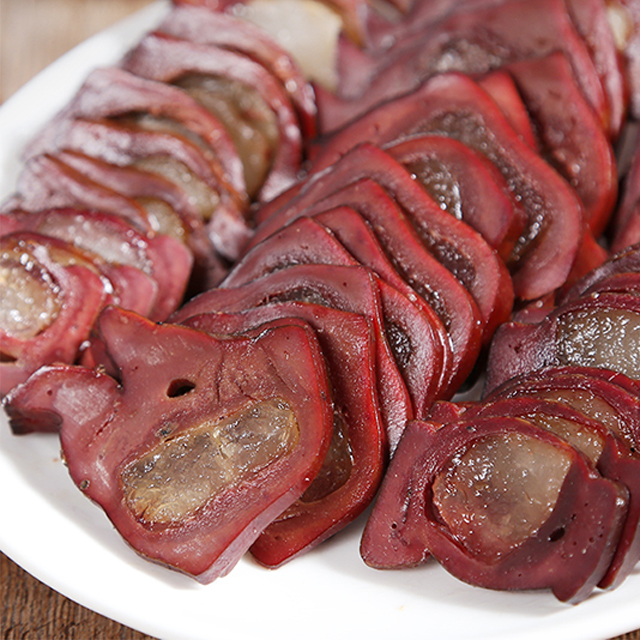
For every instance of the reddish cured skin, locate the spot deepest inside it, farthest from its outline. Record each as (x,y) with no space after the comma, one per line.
(600,331)
(425,275)
(166,59)
(114,93)
(511,30)
(167,206)
(604,395)
(407,524)
(357,236)
(466,185)
(628,234)
(77,290)
(454,105)
(354,465)
(625,229)
(453,243)
(45,182)
(412,329)
(590,21)
(166,153)
(571,135)
(223,30)
(126,285)
(502,88)
(178,384)
(145,199)
(608,453)
(163,259)
(631,53)
(625,261)
(346,288)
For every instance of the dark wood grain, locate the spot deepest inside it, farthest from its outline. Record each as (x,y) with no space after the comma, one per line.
(33,611)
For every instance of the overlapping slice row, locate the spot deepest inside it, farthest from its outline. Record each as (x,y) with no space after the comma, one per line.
(596,324)
(499,502)
(166,150)
(193,451)
(450,491)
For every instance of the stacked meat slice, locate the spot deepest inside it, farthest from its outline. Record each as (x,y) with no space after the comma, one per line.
(450,205)
(150,169)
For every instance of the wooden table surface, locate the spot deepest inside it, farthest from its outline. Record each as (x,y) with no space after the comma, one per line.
(33,33)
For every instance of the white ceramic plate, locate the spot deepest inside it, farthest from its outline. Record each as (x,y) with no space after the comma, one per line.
(56,534)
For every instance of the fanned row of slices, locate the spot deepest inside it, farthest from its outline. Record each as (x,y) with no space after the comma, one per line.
(240,281)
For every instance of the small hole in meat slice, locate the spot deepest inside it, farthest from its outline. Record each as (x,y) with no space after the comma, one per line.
(180,387)
(556,535)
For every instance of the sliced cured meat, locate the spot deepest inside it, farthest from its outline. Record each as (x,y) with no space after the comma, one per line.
(628,234)
(173,157)
(142,198)
(415,343)
(606,452)
(501,87)
(511,30)
(223,30)
(625,14)
(466,185)
(126,285)
(51,297)
(458,493)
(625,261)
(191,463)
(241,93)
(354,464)
(604,395)
(346,288)
(454,105)
(572,137)
(625,229)
(430,280)
(47,183)
(596,331)
(593,22)
(163,259)
(168,207)
(453,243)
(116,94)
(357,236)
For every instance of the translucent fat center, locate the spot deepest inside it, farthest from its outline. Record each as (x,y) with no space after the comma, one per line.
(337,465)
(499,491)
(591,406)
(163,218)
(307,29)
(30,299)
(585,440)
(182,473)
(200,195)
(90,235)
(250,122)
(606,339)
